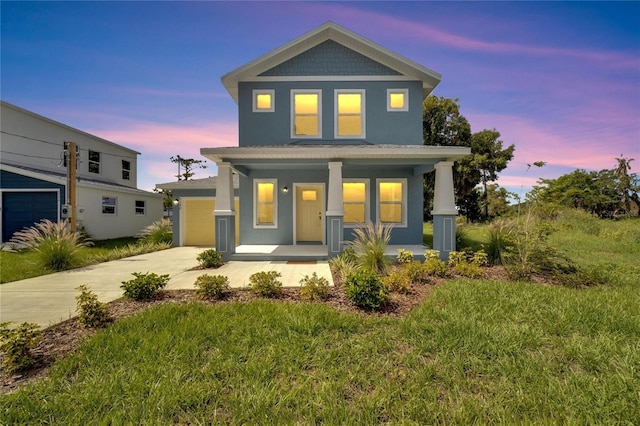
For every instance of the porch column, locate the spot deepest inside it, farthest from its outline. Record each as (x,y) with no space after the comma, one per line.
(444,210)
(225,214)
(335,212)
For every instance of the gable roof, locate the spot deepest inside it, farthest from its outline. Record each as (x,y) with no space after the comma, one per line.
(330,31)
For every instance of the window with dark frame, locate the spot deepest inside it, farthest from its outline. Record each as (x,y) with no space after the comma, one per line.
(94,162)
(109,205)
(140,207)
(126,170)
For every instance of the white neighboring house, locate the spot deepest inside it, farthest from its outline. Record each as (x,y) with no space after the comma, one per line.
(33,178)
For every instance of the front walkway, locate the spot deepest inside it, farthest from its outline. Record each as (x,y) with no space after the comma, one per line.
(49,299)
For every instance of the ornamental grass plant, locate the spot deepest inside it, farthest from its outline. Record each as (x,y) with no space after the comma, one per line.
(56,245)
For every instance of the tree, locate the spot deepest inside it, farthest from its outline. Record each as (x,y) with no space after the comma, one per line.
(188,164)
(443,125)
(497,200)
(167,201)
(489,158)
(625,181)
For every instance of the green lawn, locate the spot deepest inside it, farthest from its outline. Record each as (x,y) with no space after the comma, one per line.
(24,264)
(476,351)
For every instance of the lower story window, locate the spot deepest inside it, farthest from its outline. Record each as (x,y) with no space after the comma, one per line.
(392,201)
(265,208)
(109,205)
(355,202)
(140,207)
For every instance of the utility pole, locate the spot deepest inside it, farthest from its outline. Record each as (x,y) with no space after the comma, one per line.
(71,149)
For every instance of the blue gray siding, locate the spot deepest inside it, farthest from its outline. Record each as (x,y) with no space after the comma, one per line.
(382,127)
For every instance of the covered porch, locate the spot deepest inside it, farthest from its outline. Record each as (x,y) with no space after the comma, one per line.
(303,253)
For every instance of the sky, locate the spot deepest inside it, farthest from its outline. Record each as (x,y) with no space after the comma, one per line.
(559,80)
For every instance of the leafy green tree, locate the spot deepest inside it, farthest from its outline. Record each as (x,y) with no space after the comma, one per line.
(626,182)
(188,165)
(489,158)
(497,200)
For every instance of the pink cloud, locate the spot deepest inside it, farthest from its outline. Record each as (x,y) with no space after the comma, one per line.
(364,21)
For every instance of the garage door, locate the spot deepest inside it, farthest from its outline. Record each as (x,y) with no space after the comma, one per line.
(199,222)
(23,209)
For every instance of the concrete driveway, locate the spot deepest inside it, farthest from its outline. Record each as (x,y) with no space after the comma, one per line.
(50,299)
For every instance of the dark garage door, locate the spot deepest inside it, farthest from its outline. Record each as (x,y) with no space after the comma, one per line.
(23,209)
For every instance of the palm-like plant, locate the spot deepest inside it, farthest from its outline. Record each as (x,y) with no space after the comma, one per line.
(369,244)
(56,244)
(158,232)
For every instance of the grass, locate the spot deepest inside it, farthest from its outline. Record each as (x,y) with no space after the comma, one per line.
(475,351)
(16,266)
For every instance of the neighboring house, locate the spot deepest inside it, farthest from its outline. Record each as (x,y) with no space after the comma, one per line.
(33,181)
(330,136)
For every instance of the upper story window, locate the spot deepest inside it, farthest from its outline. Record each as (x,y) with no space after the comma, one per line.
(265,207)
(264,101)
(397,99)
(392,201)
(306,114)
(126,170)
(350,114)
(94,162)
(355,202)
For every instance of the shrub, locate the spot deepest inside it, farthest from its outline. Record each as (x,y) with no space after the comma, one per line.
(144,286)
(210,258)
(211,286)
(415,272)
(349,255)
(370,242)
(480,258)
(342,265)
(431,254)
(91,312)
(266,284)
(158,232)
(405,256)
(499,239)
(397,282)
(365,289)
(466,269)
(456,257)
(131,250)
(17,344)
(314,288)
(435,268)
(57,247)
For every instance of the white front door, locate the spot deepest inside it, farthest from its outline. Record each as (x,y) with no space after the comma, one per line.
(309,213)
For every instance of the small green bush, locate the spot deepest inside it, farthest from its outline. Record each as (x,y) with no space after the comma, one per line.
(266,284)
(480,258)
(415,272)
(91,312)
(469,270)
(431,254)
(210,258)
(158,232)
(404,256)
(314,288)
(370,241)
(144,286)
(57,247)
(349,255)
(435,268)
(397,282)
(456,257)
(366,290)
(17,344)
(213,287)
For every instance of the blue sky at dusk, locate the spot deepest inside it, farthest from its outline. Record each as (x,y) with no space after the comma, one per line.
(559,80)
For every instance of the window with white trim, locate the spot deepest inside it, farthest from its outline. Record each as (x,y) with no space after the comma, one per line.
(263,100)
(94,162)
(392,201)
(126,170)
(355,202)
(265,211)
(109,205)
(349,113)
(141,206)
(306,114)
(397,100)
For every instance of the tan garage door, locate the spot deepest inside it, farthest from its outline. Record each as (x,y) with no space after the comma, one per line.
(199,222)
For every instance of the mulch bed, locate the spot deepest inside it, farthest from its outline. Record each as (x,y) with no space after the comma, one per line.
(62,339)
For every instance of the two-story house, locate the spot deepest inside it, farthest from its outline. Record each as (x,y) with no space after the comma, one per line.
(33,180)
(330,137)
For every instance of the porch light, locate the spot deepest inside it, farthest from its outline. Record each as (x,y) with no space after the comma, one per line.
(285,189)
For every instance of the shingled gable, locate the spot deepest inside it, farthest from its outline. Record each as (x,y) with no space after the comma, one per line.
(405,68)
